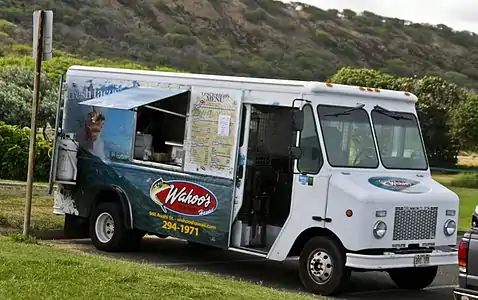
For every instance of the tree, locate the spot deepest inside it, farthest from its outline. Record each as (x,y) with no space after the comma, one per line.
(438,100)
(16,94)
(465,123)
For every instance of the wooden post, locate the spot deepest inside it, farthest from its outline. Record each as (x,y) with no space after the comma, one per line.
(33,127)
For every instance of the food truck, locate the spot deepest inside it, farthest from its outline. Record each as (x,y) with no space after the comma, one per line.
(333,176)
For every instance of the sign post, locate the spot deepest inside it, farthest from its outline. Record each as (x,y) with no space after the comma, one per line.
(42,49)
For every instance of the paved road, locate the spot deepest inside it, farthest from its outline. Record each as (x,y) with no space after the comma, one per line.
(177,254)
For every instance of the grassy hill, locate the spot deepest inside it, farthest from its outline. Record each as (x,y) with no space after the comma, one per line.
(263,38)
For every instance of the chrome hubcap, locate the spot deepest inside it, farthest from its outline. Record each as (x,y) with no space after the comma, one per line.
(104,227)
(320,266)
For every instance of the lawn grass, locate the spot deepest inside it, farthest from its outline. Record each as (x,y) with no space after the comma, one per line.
(37,271)
(468,200)
(12,206)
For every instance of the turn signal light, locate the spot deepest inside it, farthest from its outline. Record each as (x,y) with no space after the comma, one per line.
(462,255)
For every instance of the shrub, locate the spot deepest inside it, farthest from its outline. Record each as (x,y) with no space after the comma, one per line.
(14,143)
(465,180)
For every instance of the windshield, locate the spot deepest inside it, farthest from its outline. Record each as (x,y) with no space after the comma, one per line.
(348,136)
(399,140)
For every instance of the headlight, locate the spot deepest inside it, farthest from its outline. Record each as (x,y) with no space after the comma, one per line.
(450,227)
(379,229)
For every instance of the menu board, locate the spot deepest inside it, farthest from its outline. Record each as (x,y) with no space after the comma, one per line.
(212,131)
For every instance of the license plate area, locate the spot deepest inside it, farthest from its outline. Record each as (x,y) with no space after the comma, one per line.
(421,260)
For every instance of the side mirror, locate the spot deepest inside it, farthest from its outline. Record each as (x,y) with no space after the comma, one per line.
(295,152)
(297,120)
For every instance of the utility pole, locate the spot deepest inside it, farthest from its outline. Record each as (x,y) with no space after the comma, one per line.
(39,53)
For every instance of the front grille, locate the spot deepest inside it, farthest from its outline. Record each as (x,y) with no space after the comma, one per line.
(415,223)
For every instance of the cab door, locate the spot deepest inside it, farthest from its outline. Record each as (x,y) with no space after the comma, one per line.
(310,182)
(310,185)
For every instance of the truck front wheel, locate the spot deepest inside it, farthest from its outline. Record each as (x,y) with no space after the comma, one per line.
(322,266)
(413,278)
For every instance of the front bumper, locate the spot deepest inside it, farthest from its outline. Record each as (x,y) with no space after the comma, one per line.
(393,260)
(465,294)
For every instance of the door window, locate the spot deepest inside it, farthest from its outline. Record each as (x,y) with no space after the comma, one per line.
(311,160)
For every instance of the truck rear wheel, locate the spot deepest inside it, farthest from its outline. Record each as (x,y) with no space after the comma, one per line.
(107,229)
(322,266)
(413,278)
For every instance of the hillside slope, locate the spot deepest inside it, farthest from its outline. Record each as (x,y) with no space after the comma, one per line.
(245,37)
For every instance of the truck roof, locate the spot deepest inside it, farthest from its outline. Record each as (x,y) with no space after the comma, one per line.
(306,87)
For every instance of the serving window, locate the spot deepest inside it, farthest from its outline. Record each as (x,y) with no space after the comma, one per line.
(156,131)
(160,130)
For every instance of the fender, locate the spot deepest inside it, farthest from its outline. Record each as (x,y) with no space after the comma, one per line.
(114,193)
(309,233)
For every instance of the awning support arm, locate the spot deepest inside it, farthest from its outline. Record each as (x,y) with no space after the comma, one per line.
(165,111)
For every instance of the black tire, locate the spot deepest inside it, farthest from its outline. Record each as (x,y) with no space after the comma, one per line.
(335,276)
(413,278)
(121,236)
(76,227)
(474,222)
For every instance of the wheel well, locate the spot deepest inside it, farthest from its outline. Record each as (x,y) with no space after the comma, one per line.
(114,196)
(309,233)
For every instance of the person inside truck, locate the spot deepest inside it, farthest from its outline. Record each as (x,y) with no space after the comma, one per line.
(336,155)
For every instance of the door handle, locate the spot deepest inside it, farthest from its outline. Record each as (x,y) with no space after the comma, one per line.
(320,219)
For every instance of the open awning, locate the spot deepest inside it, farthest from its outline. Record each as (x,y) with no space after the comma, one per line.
(133,97)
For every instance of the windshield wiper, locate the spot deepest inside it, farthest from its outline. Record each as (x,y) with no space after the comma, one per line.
(390,114)
(346,112)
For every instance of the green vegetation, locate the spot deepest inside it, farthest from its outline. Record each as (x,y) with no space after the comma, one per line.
(465,180)
(14,142)
(467,196)
(263,38)
(12,207)
(33,271)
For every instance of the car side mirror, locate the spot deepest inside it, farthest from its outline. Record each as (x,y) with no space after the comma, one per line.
(295,152)
(297,120)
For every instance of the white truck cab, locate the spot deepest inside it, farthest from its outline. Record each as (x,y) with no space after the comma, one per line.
(336,176)
(366,189)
